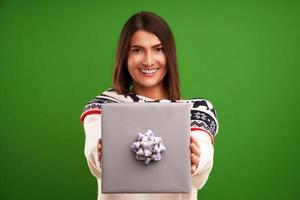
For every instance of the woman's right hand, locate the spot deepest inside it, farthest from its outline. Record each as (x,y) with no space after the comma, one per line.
(99,149)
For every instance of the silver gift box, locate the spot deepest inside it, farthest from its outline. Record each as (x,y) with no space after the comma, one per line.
(121,171)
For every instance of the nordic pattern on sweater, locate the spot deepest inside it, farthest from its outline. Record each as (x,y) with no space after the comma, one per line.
(203,114)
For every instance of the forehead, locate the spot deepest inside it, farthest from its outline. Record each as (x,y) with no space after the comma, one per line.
(144,38)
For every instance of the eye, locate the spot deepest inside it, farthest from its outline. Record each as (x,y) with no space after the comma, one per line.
(159,49)
(136,50)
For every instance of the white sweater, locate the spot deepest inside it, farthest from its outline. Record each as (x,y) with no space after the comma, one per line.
(92,127)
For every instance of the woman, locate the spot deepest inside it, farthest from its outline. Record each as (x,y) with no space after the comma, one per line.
(145,71)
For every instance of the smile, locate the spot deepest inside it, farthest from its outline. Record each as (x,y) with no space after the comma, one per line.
(149,72)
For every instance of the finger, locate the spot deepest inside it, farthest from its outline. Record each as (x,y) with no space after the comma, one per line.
(193,140)
(99,144)
(193,169)
(99,156)
(195,149)
(99,153)
(194,159)
(99,149)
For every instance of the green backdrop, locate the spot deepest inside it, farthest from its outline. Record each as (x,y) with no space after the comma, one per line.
(242,56)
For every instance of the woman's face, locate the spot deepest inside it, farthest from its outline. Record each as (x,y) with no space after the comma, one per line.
(146,60)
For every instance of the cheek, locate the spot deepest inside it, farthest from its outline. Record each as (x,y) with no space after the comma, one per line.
(162,60)
(132,65)
(164,72)
(133,61)
(163,63)
(129,62)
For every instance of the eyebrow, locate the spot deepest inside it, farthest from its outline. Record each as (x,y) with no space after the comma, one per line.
(156,45)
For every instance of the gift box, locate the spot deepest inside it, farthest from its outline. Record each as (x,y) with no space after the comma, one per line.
(145,147)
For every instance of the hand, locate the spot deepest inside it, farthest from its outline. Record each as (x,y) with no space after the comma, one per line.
(99,149)
(195,154)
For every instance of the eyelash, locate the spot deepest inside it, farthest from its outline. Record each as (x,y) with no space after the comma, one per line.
(160,48)
(138,50)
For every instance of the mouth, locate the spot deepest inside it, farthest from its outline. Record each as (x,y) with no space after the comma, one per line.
(149,72)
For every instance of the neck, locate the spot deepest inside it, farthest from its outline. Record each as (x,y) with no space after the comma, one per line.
(155,93)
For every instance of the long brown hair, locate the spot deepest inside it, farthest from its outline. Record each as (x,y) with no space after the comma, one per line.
(152,23)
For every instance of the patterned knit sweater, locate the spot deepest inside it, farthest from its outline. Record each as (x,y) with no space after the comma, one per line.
(204,128)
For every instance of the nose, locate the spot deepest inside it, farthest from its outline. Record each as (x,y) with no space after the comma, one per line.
(148,59)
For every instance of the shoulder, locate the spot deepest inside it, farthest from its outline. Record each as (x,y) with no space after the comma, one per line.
(94,105)
(203,104)
(104,97)
(203,115)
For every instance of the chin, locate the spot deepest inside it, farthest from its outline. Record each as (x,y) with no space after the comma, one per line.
(148,84)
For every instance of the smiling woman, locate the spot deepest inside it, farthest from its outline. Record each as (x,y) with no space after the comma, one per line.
(147,65)
(147,43)
(146,71)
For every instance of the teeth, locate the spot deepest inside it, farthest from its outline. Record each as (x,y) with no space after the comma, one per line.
(148,71)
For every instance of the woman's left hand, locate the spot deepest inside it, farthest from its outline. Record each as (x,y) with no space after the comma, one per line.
(195,154)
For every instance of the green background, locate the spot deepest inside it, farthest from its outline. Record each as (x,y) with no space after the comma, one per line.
(242,56)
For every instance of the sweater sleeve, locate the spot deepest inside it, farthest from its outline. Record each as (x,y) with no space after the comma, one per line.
(92,129)
(204,128)
(91,120)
